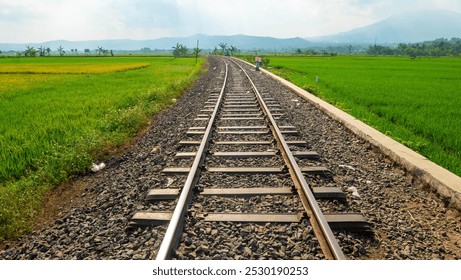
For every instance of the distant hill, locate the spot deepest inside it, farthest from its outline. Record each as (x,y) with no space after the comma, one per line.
(402,28)
(408,27)
(206,42)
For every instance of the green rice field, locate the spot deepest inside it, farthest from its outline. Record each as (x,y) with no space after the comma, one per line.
(59,114)
(415,101)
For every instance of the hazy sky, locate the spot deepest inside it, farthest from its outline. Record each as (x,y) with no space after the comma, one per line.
(36,21)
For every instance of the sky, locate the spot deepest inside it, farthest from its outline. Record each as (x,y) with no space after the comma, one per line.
(36,21)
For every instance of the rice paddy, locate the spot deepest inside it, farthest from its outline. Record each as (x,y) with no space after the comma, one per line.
(415,101)
(58,115)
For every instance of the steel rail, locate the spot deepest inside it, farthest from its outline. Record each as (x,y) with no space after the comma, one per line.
(177,219)
(333,248)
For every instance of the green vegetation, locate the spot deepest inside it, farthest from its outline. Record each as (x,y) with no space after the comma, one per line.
(59,114)
(225,50)
(439,47)
(415,101)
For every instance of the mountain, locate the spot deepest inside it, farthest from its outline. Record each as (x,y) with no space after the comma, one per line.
(407,27)
(206,42)
(410,27)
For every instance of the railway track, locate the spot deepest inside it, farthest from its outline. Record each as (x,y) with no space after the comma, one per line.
(241,171)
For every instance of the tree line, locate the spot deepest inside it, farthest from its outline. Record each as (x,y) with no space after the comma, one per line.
(224,49)
(438,47)
(181,50)
(42,51)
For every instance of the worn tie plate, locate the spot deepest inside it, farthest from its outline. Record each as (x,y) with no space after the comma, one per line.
(329,193)
(244,170)
(243,142)
(348,221)
(243,119)
(242,127)
(319,170)
(242,115)
(185,155)
(244,154)
(290,132)
(194,132)
(237,132)
(150,219)
(176,170)
(306,154)
(253,217)
(247,192)
(162,194)
(241,110)
(297,143)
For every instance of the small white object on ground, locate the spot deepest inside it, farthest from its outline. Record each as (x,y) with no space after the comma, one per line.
(95,168)
(98,167)
(354,192)
(347,166)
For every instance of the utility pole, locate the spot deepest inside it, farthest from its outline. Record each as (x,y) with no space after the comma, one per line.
(196,53)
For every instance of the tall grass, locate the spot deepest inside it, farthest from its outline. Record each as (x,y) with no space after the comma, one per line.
(54,125)
(415,101)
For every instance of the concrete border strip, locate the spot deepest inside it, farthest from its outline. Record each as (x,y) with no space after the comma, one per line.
(444,182)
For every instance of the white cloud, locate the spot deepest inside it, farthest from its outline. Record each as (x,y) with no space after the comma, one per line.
(41,20)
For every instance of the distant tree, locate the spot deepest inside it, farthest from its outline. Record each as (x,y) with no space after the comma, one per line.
(233,50)
(146,50)
(61,51)
(216,51)
(41,51)
(48,51)
(223,47)
(30,51)
(180,50)
(111,53)
(99,50)
(184,50)
(87,51)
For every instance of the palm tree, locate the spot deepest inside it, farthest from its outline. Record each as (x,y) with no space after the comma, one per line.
(48,50)
(100,50)
(176,52)
(179,50)
(223,47)
(30,51)
(233,50)
(41,51)
(61,51)
(197,51)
